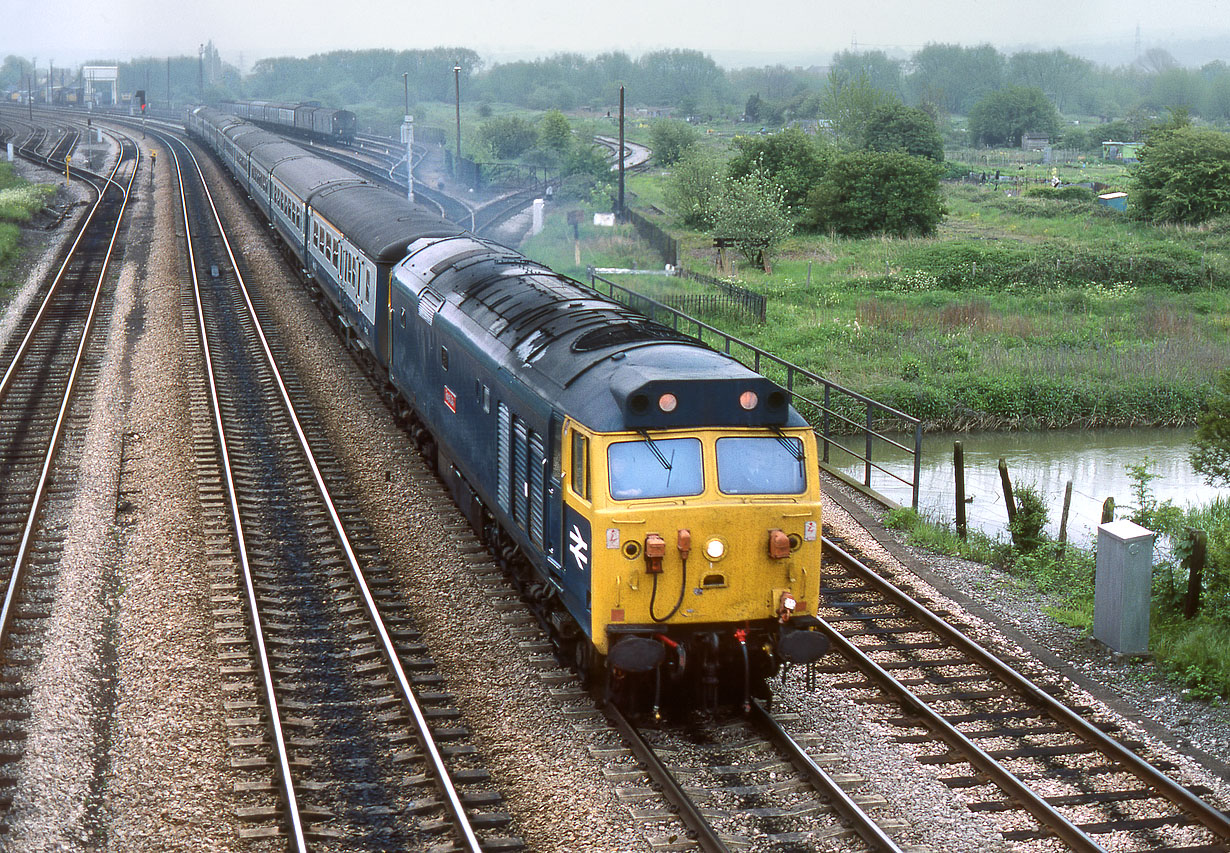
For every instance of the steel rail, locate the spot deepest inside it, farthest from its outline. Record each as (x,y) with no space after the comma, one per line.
(7,379)
(258,631)
(859,820)
(706,836)
(1213,819)
(453,800)
(36,501)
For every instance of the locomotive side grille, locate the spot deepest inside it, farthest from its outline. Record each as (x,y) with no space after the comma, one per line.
(538,459)
(521,464)
(503,445)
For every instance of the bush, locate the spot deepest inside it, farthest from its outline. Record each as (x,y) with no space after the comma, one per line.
(671,140)
(695,182)
(508,137)
(870,192)
(794,160)
(1031,518)
(1184,176)
(986,266)
(1073,193)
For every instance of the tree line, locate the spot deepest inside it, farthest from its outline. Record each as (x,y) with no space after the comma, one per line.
(944,79)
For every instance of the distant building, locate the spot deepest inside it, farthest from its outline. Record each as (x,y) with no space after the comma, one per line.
(1115,201)
(1030,141)
(1126,151)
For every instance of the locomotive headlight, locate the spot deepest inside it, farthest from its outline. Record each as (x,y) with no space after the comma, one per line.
(788,602)
(715,549)
(668,402)
(748,400)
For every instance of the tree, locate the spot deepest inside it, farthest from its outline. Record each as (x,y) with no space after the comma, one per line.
(671,139)
(751,210)
(555,133)
(792,159)
(873,192)
(1211,453)
(508,137)
(1002,117)
(1059,74)
(1184,175)
(896,127)
(956,77)
(696,180)
(848,102)
(880,71)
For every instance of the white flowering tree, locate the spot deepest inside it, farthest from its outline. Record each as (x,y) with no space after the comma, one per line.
(751,211)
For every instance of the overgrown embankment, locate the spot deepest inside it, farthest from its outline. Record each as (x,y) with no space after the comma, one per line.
(1023,312)
(19,201)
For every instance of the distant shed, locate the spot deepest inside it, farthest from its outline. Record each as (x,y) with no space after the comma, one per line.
(1115,201)
(1128,152)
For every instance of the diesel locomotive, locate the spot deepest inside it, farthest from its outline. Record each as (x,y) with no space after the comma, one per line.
(657,502)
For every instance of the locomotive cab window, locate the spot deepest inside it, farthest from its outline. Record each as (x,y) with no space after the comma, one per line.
(661,468)
(579,477)
(767,465)
(443,358)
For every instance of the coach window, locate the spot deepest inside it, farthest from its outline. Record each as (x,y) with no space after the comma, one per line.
(579,478)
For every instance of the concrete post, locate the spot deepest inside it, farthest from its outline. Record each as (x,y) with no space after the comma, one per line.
(1122,586)
(538,211)
(10,147)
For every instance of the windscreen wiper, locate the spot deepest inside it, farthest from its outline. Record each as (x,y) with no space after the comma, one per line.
(653,447)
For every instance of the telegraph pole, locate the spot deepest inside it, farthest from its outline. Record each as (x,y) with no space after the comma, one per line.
(407,136)
(620,154)
(457,83)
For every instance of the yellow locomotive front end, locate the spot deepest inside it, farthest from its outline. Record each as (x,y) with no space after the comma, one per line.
(705,561)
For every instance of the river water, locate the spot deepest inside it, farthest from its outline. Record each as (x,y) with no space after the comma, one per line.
(1094,460)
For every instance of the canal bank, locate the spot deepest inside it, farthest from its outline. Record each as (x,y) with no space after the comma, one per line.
(1095,460)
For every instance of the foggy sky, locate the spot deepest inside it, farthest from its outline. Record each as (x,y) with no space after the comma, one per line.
(759,31)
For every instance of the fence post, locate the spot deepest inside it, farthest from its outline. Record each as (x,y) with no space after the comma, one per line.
(1009,501)
(958,469)
(1108,510)
(1063,519)
(827,388)
(867,455)
(917,465)
(1195,561)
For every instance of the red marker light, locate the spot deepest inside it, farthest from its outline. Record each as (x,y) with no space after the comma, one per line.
(748,400)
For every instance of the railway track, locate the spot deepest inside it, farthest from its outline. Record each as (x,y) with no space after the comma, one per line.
(745,783)
(330,687)
(49,363)
(1010,747)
